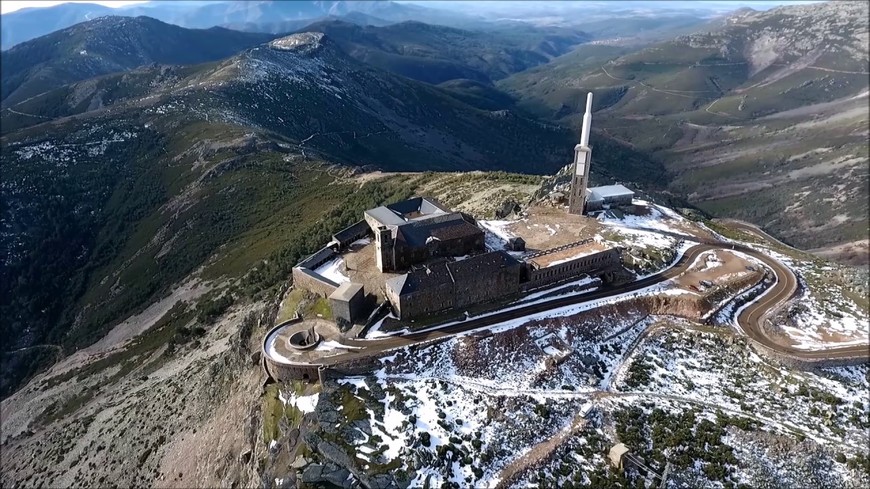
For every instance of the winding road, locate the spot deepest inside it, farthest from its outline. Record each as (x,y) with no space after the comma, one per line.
(750,318)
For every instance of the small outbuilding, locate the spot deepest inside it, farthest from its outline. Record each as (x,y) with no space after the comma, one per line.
(516,244)
(348,304)
(617,455)
(607,196)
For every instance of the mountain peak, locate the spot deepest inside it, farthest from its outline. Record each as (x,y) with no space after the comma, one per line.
(303,41)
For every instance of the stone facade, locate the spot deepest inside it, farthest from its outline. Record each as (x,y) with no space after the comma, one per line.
(412,231)
(446,285)
(348,304)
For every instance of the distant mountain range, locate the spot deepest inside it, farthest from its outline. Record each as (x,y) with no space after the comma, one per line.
(257,15)
(112,44)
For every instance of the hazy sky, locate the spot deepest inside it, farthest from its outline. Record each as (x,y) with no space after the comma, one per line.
(7,6)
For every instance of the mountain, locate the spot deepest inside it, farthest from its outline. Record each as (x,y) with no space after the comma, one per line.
(761,118)
(435,54)
(29,23)
(107,45)
(287,26)
(255,16)
(163,170)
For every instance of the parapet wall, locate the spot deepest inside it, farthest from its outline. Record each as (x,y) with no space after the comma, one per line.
(305,278)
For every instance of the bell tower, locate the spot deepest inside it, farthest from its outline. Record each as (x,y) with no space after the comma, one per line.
(582,161)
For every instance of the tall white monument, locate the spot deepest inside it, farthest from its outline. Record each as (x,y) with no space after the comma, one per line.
(582,160)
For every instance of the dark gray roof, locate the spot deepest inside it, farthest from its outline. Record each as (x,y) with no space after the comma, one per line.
(422,205)
(385,216)
(424,277)
(443,227)
(352,231)
(346,291)
(406,210)
(481,264)
(444,272)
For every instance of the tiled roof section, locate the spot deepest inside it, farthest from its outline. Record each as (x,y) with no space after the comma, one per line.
(444,227)
(423,205)
(346,291)
(481,264)
(399,213)
(425,277)
(385,216)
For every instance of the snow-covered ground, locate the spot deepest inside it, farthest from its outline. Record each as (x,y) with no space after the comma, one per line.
(822,315)
(706,369)
(333,270)
(305,404)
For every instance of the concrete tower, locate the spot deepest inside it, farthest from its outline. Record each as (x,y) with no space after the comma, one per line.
(582,160)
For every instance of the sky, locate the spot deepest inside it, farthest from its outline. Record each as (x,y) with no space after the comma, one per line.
(7,6)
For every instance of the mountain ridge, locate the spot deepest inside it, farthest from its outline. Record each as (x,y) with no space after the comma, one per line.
(111,44)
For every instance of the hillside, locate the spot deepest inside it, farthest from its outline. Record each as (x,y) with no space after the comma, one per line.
(435,54)
(182,162)
(108,45)
(769,100)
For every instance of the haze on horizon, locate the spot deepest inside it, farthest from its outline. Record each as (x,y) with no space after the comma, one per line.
(8,6)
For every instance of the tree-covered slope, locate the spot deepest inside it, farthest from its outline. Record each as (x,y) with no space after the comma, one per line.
(107,45)
(435,54)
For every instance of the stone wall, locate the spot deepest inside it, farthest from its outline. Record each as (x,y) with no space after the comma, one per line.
(283,372)
(806,363)
(424,302)
(487,286)
(308,280)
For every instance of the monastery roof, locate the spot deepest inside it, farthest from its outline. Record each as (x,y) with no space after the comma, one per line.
(425,277)
(481,264)
(443,227)
(398,213)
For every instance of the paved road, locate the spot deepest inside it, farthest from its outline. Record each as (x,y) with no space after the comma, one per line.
(750,319)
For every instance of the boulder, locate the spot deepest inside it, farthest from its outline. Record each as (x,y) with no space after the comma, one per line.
(313,473)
